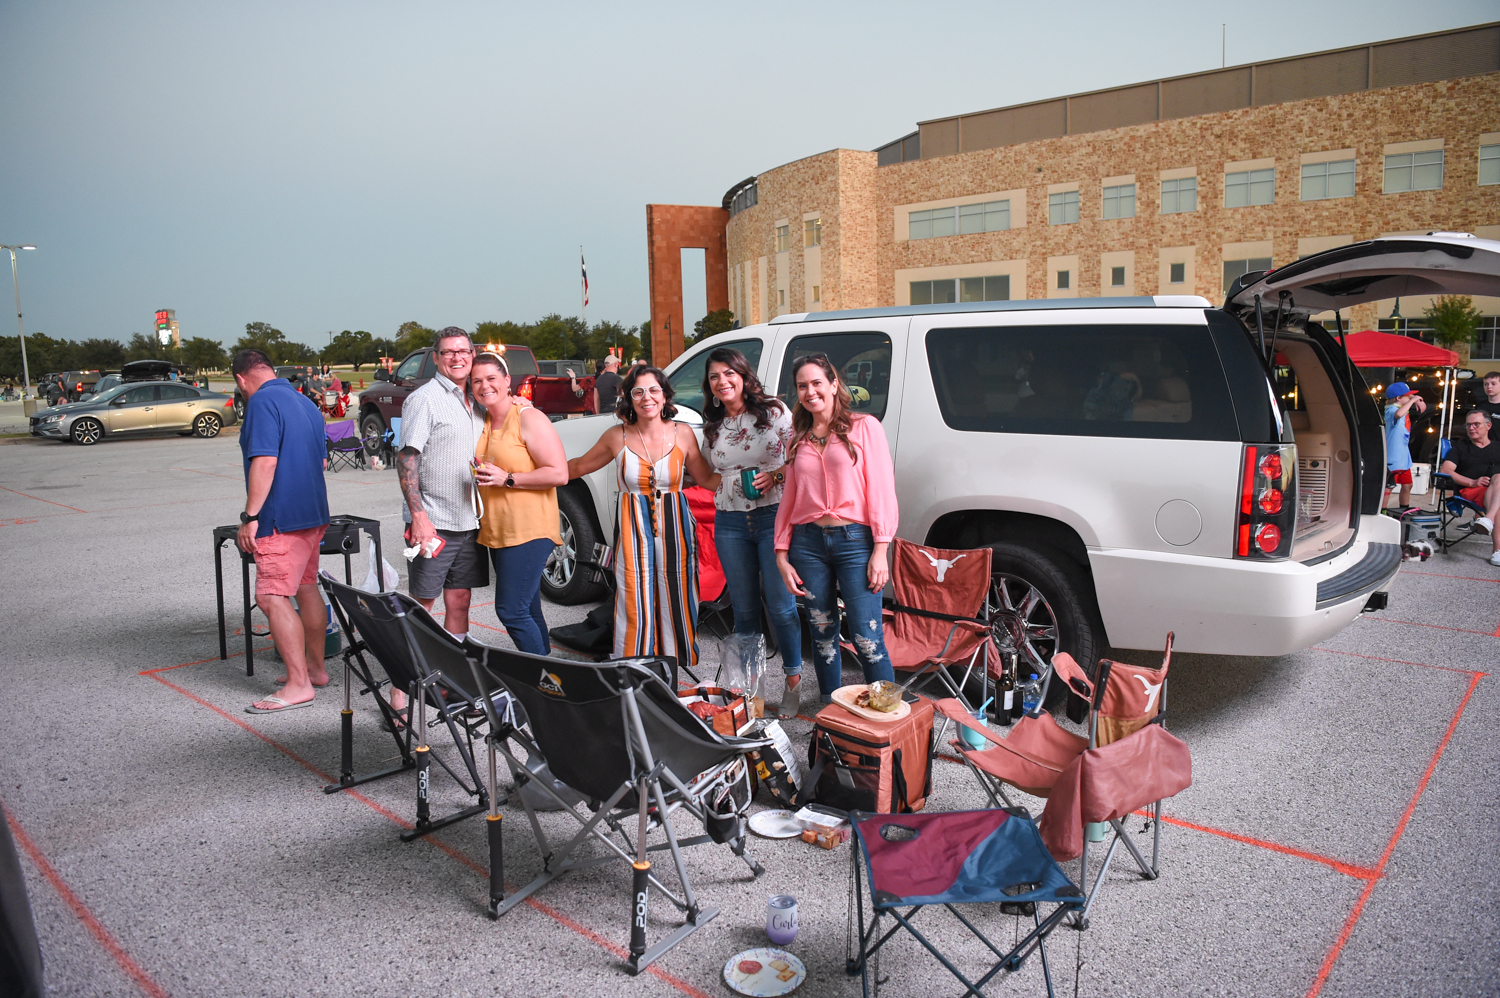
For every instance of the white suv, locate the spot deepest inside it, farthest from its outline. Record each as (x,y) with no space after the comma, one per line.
(1138,465)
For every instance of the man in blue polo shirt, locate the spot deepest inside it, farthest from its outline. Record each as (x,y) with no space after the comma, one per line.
(286,513)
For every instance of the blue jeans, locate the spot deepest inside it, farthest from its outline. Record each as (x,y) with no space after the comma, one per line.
(826,557)
(518,593)
(746,542)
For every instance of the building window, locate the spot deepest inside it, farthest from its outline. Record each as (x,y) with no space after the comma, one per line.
(1177,273)
(991,216)
(1241,190)
(1486,337)
(780,297)
(1179,195)
(1117,277)
(984,288)
(933,292)
(931,223)
(1119,202)
(817,292)
(1062,209)
(1321,181)
(812,232)
(1414,171)
(783,238)
(1235,269)
(1064,280)
(1489,165)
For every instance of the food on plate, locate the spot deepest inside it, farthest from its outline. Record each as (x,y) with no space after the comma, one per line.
(749,967)
(880,695)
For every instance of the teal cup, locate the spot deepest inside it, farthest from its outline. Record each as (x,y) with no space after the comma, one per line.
(747,482)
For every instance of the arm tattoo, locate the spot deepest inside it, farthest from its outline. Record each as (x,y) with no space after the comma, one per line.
(407,461)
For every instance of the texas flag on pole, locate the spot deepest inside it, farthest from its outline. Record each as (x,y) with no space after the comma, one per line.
(585,267)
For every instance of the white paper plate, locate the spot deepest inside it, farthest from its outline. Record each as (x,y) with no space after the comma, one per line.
(767,981)
(777,824)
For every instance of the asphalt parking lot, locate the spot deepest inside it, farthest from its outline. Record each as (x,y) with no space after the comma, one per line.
(1342,836)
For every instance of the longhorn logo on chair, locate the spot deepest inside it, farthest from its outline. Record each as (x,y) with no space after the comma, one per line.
(1151,692)
(549,683)
(942,564)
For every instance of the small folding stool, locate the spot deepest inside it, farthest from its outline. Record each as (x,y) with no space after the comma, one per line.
(913,861)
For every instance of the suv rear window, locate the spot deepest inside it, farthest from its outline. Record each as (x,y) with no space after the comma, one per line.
(1098,381)
(863,361)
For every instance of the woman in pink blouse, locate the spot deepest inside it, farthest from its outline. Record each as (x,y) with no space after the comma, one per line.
(837,517)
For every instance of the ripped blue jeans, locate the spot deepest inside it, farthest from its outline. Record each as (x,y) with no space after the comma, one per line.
(833,562)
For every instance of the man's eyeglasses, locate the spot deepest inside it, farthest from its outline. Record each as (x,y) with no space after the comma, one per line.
(639,393)
(454,353)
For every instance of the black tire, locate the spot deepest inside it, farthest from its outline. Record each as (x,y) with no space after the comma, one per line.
(207,425)
(1050,606)
(87,431)
(372,432)
(564,580)
(239,407)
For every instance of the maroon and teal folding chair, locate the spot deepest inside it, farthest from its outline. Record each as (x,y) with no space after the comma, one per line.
(914,861)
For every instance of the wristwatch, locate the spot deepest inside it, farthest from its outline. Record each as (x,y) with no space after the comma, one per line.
(778,477)
(510,480)
(247,518)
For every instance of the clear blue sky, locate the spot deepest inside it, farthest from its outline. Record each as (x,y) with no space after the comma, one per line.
(353,165)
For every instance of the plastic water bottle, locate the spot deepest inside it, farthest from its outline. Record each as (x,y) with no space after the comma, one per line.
(1031,694)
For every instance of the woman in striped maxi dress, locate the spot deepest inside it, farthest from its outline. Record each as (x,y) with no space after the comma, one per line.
(656,556)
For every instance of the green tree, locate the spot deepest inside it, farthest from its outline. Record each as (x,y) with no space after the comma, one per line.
(604,335)
(201,353)
(1453,319)
(412,336)
(500,334)
(350,347)
(100,354)
(264,337)
(718,321)
(143,347)
(645,337)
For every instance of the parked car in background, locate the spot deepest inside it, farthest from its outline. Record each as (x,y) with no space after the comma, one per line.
(1127,460)
(138,409)
(382,401)
(77,384)
(559,368)
(104,384)
(146,370)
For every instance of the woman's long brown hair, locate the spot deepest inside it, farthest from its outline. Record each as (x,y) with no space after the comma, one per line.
(843,412)
(757,402)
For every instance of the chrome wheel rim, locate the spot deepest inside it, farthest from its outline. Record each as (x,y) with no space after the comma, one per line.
(563,561)
(208,426)
(372,439)
(1023,620)
(87,432)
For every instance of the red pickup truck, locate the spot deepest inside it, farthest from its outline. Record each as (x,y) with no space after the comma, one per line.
(382,401)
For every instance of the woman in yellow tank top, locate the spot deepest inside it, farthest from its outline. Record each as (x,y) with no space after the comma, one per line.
(519,463)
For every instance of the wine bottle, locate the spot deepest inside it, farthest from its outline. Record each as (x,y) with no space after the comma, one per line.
(1007,694)
(1016,709)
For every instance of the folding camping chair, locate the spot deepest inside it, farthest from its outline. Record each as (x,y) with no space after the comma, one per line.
(429,665)
(938,619)
(950,858)
(617,734)
(344,446)
(1120,768)
(1451,505)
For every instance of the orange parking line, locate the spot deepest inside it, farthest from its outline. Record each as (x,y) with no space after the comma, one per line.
(1398,661)
(558,917)
(1444,575)
(95,927)
(1390,848)
(40,499)
(1440,627)
(1348,869)
(213,474)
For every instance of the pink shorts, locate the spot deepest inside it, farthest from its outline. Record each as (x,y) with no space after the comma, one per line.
(285,561)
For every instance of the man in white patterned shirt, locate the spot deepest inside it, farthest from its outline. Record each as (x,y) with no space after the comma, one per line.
(440,426)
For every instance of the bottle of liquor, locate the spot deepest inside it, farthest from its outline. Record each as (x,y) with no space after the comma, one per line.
(1007,695)
(1016,708)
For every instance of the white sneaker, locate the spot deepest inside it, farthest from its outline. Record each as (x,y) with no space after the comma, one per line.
(1483,525)
(1495,559)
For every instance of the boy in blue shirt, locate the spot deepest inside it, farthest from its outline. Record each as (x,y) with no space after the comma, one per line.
(1400,400)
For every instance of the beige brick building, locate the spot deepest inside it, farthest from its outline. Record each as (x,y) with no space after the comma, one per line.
(1168,187)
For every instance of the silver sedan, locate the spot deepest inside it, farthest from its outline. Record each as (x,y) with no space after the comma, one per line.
(138,409)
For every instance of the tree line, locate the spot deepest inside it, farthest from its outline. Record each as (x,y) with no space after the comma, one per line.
(553,336)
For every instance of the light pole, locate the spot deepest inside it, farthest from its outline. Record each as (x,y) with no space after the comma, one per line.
(16,281)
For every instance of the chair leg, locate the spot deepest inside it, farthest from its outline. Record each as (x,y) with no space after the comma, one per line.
(496,843)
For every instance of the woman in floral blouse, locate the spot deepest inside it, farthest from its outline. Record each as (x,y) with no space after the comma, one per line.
(744,428)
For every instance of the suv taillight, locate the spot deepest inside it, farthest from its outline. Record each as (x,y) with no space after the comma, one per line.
(526,387)
(1267,516)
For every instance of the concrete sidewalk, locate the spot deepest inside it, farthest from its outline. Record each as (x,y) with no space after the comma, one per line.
(1340,838)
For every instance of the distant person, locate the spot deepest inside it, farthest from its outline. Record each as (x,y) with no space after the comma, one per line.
(286,513)
(440,426)
(1400,400)
(1474,465)
(1491,403)
(607,385)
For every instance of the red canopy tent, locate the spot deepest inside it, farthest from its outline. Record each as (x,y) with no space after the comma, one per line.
(1372,349)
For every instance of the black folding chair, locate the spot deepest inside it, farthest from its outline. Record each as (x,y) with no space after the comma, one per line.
(426,662)
(616,733)
(950,858)
(344,446)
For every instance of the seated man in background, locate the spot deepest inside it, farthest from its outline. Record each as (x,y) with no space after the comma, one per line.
(1472,464)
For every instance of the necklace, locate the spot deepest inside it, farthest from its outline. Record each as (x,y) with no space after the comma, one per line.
(820,441)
